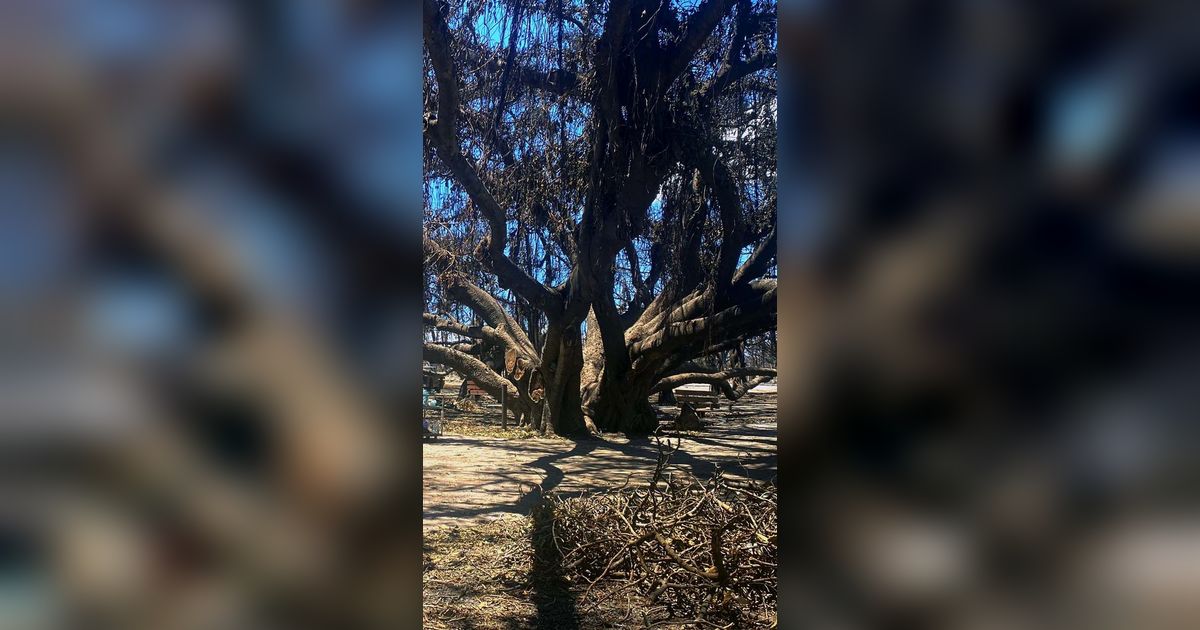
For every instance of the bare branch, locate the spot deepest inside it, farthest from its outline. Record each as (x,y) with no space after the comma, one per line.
(558,81)
(724,187)
(471,368)
(754,314)
(720,379)
(437,43)
(700,25)
(732,74)
(493,313)
(486,333)
(760,260)
(445,140)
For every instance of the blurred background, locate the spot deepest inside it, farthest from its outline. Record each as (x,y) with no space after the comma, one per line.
(209,314)
(990,306)
(209,224)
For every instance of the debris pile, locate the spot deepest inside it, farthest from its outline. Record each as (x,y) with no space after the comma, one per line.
(695,550)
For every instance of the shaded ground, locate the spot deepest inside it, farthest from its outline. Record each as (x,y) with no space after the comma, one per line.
(489,562)
(471,477)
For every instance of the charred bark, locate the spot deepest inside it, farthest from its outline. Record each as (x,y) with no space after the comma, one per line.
(562,363)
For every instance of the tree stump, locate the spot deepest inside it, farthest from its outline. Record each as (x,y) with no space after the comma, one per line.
(688,420)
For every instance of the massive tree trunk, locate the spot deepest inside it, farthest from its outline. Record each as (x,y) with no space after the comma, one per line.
(621,403)
(562,360)
(643,353)
(619,398)
(614,396)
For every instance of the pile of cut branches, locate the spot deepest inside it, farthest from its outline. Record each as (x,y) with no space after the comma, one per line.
(699,552)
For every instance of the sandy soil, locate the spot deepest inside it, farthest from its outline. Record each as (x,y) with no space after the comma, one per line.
(470,479)
(480,567)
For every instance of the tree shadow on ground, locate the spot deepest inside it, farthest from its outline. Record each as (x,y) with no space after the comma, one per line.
(757,467)
(556,607)
(553,474)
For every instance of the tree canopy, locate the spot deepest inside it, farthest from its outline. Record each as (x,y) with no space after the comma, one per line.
(608,162)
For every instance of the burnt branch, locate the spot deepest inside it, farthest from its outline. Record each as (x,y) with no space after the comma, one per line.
(721,379)
(443,133)
(700,25)
(471,367)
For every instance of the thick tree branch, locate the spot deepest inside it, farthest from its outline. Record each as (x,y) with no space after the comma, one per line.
(753,314)
(740,70)
(725,190)
(437,255)
(468,347)
(445,140)
(759,262)
(510,275)
(437,44)
(472,368)
(643,289)
(608,50)
(486,333)
(558,81)
(732,67)
(493,313)
(719,379)
(700,25)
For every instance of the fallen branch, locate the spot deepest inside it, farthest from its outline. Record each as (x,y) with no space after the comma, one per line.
(700,551)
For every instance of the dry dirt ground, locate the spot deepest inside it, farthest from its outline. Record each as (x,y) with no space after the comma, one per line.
(471,477)
(480,486)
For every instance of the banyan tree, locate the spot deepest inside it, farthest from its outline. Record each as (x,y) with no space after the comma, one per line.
(599,200)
